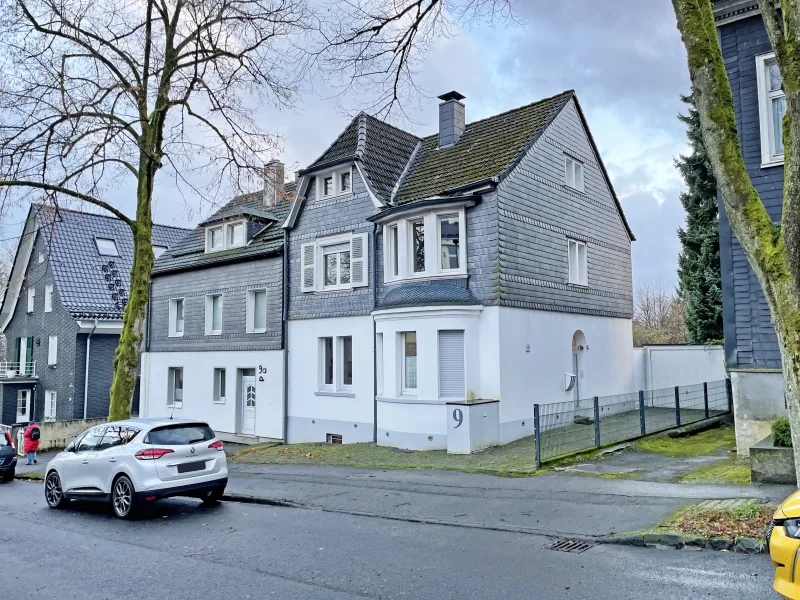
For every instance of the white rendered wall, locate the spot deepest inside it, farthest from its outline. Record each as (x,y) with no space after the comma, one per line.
(198,388)
(527,378)
(668,366)
(351,416)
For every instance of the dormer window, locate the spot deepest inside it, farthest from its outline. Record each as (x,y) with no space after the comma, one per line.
(223,237)
(159,250)
(335,183)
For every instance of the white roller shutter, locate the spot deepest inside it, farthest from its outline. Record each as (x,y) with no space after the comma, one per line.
(451,364)
(359,253)
(308,262)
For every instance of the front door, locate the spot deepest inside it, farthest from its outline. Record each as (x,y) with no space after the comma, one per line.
(23,406)
(249,405)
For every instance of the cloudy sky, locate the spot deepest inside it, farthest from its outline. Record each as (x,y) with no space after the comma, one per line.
(625,61)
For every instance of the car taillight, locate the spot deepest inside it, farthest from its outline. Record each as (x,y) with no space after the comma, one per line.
(216,445)
(152,453)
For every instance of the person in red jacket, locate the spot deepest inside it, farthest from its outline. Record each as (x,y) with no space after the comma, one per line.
(31,442)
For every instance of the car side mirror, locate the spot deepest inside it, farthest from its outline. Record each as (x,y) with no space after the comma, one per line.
(70,448)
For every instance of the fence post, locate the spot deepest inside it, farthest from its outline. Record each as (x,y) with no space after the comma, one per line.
(729,389)
(641,412)
(678,406)
(705,396)
(537,433)
(596,422)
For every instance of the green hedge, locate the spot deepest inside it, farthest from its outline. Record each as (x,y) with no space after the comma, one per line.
(782,433)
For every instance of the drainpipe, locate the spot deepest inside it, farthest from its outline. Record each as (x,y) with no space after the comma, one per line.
(86,375)
(374,334)
(284,337)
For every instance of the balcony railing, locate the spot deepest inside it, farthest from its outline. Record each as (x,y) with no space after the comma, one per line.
(9,370)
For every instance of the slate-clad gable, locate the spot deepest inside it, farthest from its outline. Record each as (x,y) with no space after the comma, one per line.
(750,339)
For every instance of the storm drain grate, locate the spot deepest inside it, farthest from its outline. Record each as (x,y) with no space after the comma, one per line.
(574,546)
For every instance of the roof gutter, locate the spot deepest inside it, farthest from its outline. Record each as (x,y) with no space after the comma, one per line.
(385,215)
(86,374)
(327,165)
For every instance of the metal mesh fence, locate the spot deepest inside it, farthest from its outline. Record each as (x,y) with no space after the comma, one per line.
(568,427)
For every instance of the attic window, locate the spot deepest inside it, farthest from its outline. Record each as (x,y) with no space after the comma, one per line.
(106,247)
(159,250)
(335,183)
(222,237)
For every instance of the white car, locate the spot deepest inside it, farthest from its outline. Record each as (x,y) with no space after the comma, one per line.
(136,461)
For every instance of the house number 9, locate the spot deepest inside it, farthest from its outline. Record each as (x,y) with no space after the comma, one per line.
(458,417)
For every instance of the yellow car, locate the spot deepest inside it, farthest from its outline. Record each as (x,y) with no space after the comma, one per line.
(783,541)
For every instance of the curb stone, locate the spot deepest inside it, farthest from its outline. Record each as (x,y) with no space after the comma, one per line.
(676,540)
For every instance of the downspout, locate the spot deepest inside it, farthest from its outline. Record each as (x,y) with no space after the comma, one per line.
(284,337)
(86,375)
(374,334)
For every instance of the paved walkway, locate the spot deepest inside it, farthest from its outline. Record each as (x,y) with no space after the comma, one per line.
(546,504)
(41,457)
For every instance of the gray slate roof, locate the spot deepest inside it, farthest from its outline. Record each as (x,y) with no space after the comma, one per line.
(89,285)
(190,252)
(426,294)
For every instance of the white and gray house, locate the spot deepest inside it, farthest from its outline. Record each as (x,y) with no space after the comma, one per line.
(61,315)
(406,281)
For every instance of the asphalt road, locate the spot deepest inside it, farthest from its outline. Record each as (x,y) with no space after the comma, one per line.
(179,549)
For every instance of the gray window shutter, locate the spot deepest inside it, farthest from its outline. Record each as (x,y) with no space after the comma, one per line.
(308,262)
(451,364)
(359,253)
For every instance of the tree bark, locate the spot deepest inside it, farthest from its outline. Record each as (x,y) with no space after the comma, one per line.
(764,242)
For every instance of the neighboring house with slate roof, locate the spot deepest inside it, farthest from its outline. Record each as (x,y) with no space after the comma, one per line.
(410,282)
(215,336)
(752,355)
(64,301)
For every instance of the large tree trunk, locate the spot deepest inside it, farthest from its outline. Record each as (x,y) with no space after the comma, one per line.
(127,359)
(764,243)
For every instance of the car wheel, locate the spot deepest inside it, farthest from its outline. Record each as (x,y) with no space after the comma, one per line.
(53,491)
(8,475)
(213,495)
(123,498)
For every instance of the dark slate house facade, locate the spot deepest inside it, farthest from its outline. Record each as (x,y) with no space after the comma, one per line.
(64,302)
(751,347)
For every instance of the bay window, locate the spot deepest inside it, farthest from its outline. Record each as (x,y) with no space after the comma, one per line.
(409,362)
(417,245)
(448,242)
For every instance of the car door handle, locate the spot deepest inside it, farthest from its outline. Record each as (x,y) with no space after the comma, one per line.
(112,460)
(86,462)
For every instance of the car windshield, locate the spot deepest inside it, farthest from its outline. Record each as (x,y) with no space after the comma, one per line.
(180,435)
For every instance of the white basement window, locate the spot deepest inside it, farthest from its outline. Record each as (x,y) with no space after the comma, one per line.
(577,262)
(451,365)
(49,405)
(573,173)
(771,108)
(106,246)
(220,383)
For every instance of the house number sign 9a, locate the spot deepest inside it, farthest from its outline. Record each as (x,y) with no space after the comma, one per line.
(261,371)
(458,417)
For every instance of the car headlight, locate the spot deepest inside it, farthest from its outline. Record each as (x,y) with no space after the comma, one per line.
(792,528)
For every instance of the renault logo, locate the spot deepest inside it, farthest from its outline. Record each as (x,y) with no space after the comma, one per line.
(192,450)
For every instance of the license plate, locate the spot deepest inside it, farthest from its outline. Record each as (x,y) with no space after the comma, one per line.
(192,466)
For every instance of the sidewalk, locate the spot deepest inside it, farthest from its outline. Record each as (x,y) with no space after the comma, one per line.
(547,504)
(42,457)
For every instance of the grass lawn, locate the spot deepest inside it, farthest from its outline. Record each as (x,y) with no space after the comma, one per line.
(705,443)
(515,460)
(725,471)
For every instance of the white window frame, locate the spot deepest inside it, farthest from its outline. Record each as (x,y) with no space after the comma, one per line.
(338,249)
(379,362)
(210,330)
(52,350)
(98,239)
(173,317)
(573,170)
(433,239)
(336,188)
(209,233)
(407,391)
(250,309)
(48,297)
(229,229)
(769,157)
(50,405)
(171,401)
(31,299)
(578,270)
(219,386)
(315,251)
(410,246)
(337,348)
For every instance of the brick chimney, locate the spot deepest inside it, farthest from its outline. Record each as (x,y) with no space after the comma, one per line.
(452,118)
(273,183)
